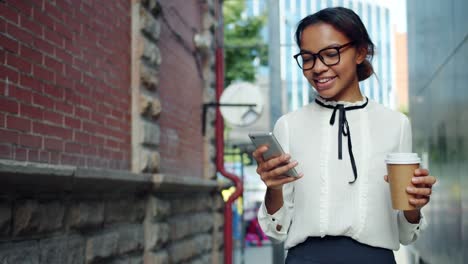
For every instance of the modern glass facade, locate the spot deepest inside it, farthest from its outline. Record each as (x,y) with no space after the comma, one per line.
(438,107)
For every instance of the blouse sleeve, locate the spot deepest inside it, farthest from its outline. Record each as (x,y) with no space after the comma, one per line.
(408,232)
(276,225)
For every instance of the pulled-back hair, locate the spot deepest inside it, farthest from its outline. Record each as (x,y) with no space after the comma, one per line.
(348,23)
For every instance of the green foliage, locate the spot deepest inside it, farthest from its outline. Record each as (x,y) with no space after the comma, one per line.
(243,43)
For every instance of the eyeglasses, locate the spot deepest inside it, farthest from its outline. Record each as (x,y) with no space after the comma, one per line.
(329,56)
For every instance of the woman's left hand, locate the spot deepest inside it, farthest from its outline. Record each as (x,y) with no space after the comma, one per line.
(422,189)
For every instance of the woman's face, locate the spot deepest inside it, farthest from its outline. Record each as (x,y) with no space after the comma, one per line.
(338,82)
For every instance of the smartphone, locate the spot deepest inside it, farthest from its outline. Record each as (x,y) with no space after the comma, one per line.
(274,148)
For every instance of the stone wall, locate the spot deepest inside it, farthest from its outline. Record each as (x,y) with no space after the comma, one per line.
(83,218)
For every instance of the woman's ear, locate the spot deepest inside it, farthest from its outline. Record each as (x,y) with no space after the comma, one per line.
(361,55)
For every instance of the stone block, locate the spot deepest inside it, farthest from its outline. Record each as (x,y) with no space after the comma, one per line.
(130,238)
(5,219)
(86,214)
(160,257)
(152,5)
(218,220)
(183,226)
(150,107)
(157,209)
(63,249)
(149,77)
(130,210)
(100,246)
(194,204)
(156,235)
(26,217)
(150,161)
(151,53)
(52,215)
(189,248)
(151,134)
(22,252)
(149,25)
(127,260)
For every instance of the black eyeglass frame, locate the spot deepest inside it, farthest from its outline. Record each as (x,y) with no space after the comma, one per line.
(317,55)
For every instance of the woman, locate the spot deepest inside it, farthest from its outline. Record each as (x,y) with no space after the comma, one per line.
(339,209)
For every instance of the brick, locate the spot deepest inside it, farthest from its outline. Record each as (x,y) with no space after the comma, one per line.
(81,137)
(64,107)
(31,26)
(72,147)
(29,82)
(2,120)
(53,117)
(63,56)
(53,144)
(72,122)
(53,64)
(30,141)
(44,156)
(20,94)
(33,155)
(50,130)
(9,44)
(82,113)
(31,111)
(53,91)
(44,46)
(63,81)
(43,73)
(19,33)
(53,37)
(18,123)
(24,7)
(31,54)
(53,11)
(18,63)
(8,74)
(41,100)
(64,31)
(9,14)
(44,19)
(5,153)
(21,154)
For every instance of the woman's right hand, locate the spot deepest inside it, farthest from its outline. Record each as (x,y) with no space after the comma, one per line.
(273,171)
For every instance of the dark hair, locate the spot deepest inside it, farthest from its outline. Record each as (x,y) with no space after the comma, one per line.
(348,23)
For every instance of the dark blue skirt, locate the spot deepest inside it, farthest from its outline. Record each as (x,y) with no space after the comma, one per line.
(337,250)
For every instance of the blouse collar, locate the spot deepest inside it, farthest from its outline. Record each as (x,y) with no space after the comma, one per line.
(331,103)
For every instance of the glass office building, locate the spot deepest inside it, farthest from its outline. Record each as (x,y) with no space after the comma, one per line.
(438,107)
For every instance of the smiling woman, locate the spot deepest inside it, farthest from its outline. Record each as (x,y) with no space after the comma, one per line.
(338,210)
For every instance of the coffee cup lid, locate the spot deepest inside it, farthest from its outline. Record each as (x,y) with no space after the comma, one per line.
(402,158)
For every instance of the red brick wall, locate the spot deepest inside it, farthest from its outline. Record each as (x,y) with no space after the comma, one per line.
(181,91)
(65,82)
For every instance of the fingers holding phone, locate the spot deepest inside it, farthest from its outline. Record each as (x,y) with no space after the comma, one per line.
(275,171)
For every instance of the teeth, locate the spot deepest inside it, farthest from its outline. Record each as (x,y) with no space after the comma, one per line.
(324,80)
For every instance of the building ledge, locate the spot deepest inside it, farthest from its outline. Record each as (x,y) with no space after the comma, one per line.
(31,177)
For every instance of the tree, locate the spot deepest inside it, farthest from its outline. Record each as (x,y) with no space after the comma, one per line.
(243,43)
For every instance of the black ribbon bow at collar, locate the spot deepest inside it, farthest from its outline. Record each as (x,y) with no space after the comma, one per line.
(343,129)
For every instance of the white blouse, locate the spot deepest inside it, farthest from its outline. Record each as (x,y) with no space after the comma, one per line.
(324,202)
